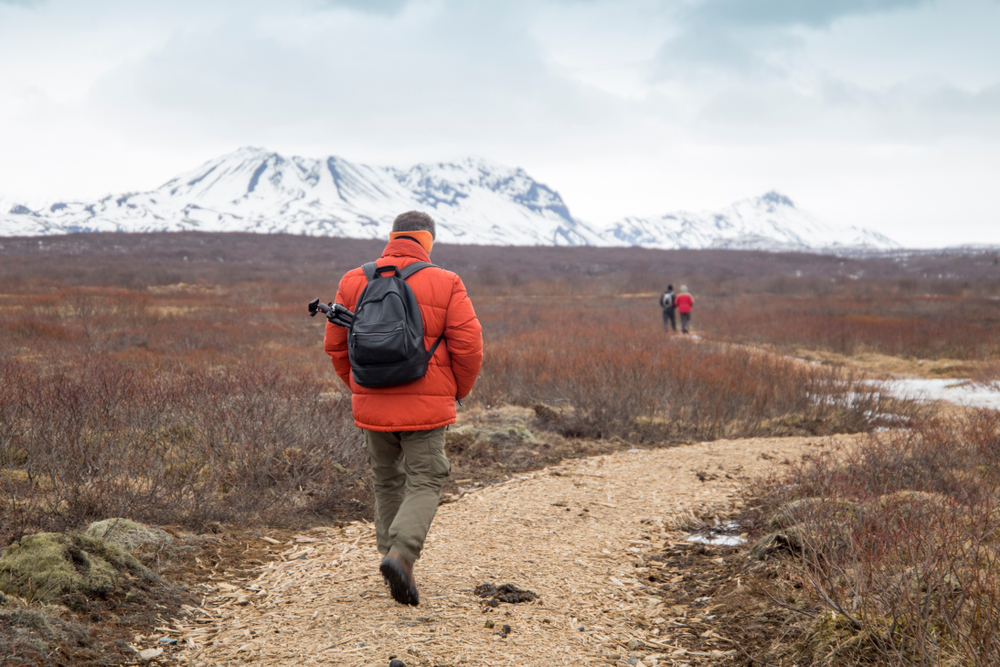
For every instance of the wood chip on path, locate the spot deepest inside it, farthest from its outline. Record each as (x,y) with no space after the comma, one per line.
(571,533)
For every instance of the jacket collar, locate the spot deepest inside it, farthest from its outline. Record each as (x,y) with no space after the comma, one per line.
(406,248)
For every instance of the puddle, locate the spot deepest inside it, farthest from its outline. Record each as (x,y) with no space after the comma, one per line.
(959,392)
(726,535)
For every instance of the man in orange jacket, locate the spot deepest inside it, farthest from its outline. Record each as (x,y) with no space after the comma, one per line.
(404,425)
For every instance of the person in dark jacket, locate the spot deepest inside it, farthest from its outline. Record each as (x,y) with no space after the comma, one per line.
(685,302)
(669,307)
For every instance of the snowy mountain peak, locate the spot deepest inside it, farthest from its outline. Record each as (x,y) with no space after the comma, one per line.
(472,200)
(777,199)
(769,222)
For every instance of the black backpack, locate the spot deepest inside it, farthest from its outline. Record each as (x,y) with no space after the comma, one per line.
(386,341)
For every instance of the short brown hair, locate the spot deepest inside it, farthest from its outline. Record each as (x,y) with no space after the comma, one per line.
(412,221)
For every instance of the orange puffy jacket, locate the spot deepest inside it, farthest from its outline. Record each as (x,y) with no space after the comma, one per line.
(445,308)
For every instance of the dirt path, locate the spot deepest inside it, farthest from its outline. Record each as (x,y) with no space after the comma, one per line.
(575,534)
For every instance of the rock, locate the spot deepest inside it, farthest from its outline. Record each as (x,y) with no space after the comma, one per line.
(489,623)
(633,644)
(397,663)
(47,566)
(506,629)
(808,508)
(150,654)
(129,535)
(789,540)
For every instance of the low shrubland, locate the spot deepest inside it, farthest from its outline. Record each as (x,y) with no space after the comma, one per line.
(195,403)
(926,326)
(897,543)
(605,368)
(168,443)
(190,393)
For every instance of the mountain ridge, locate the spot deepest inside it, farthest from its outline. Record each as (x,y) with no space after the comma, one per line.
(472,200)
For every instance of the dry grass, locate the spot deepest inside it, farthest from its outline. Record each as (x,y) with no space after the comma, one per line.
(211,399)
(898,541)
(176,378)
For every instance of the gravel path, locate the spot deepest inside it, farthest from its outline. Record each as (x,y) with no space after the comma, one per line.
(575,534)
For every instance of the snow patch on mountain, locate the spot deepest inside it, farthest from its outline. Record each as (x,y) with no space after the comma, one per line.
(770,222)
(254,190)
(473,201)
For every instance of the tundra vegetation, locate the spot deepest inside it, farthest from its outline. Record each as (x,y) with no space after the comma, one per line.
(175,379)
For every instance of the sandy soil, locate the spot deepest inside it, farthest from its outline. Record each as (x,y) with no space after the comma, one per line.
(578,534)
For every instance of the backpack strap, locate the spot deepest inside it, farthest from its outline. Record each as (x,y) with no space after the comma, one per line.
(405,273)
(434,347)
(410,269)
(371,269)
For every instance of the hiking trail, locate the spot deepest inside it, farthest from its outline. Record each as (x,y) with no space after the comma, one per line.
(578,534)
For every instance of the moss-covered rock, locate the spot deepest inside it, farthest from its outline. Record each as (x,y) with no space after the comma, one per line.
(805,509)
(50,566)
(488,444)
(790,540)
(911,501)
(128,535)
(31,636)
(832,639)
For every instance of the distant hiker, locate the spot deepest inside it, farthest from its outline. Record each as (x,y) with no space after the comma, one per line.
(685,302)
(669,306)
(404,424)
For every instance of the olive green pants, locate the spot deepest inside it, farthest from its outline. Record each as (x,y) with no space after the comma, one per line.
(408,469)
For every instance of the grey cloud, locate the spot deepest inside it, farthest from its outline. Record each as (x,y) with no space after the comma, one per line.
(695,50)
(438,76)
(814,14)
(742,37)
(837,109)
(368,6)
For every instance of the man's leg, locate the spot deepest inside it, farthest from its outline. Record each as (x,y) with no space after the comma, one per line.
(673,320)
(385,456)
(666,317)
(685,321)
(427,467)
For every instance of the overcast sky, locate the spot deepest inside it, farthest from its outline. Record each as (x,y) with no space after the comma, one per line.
(878,113)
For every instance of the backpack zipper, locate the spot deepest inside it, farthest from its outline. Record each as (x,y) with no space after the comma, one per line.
(355,334)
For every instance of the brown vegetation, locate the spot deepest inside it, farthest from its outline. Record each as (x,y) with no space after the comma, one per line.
(896,541)
(175,378)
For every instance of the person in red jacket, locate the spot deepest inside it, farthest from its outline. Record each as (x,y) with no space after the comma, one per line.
(404,425)
(685,302)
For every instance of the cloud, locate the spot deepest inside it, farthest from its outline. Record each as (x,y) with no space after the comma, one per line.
(433,74)
(387,7)
(817,14)
(754,38)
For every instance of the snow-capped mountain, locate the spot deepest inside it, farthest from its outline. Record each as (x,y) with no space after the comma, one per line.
(472,201)
(254,190)
(769,222)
